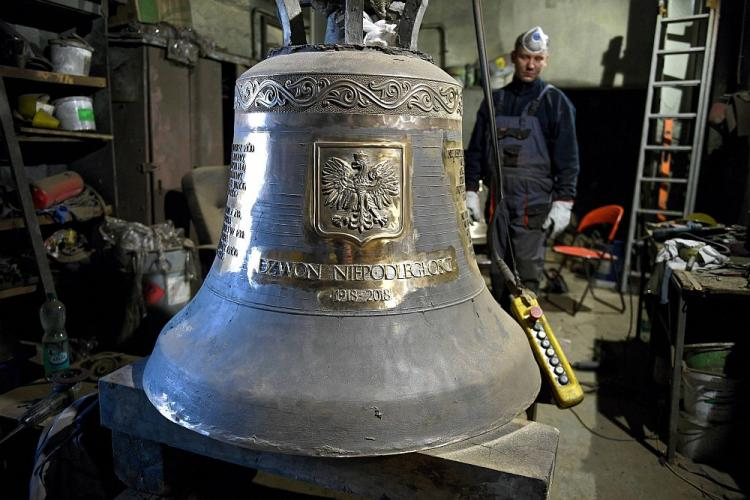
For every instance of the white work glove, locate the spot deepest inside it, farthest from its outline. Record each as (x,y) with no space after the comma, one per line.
(558,217)
(472,203)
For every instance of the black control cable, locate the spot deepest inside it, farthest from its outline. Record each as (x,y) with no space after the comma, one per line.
(511,276)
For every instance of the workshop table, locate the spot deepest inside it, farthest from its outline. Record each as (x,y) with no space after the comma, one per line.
(686,287)
(514,461)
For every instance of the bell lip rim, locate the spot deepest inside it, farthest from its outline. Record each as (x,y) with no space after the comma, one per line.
(264,446)
(241,442)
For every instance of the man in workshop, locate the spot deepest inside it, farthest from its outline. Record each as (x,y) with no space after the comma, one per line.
(537,140)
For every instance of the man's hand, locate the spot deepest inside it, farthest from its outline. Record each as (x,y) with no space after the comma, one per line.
(559,217)
(472,203)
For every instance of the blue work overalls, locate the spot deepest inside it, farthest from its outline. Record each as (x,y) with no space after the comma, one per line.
(527,189)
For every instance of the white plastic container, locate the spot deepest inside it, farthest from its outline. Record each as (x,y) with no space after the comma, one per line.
(75,113)
(710,398)
(702,441)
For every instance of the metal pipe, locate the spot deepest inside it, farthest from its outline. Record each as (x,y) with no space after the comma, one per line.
(441,40)
(253,43)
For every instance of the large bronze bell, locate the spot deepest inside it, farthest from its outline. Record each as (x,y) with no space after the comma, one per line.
(344,314)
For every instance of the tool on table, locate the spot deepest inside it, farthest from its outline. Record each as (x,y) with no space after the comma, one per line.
(63,393)
(524,306)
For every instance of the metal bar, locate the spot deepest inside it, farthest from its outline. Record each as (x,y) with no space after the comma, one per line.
(353,22)
(24,194)
(668,180)
(688,50)
(479,25)
(683,19)
(441,40)
(703,105)
(654,211)
(641,293)
(292,23)
(674,391)
(641,161)
(411,20)
(678,83)
(659,147)
(676,116)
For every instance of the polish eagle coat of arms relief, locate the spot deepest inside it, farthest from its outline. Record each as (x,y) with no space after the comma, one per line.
(359,192)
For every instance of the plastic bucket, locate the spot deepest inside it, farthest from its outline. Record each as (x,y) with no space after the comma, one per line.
(710,357)
(70,57)
(75,113)
(168,279)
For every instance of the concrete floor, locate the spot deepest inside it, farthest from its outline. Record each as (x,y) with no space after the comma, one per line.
(612,464)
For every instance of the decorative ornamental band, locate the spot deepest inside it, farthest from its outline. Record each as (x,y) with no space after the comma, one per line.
(349,94)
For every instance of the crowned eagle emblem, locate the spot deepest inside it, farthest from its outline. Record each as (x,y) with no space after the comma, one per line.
(359,192)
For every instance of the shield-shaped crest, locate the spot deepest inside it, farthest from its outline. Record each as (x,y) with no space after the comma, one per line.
(359,190)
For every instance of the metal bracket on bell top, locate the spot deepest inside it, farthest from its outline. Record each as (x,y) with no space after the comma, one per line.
(411,21)
(290,15)
(292,23)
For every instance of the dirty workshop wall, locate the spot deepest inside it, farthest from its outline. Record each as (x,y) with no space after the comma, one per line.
(593,44)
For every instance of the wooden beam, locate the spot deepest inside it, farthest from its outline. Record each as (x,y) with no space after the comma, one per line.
(24,192)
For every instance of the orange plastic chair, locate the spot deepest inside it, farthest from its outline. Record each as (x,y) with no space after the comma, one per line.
(592,258)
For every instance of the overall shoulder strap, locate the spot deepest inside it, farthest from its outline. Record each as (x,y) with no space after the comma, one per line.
(533,106)
(498,97)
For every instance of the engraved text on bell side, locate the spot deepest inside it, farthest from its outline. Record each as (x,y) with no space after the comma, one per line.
(230,231)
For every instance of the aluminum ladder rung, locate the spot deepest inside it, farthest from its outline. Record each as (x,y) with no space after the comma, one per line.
(668,180)
(678,83)
(662,147)
(687,50)
(657,211)
(683,19)
(676,116)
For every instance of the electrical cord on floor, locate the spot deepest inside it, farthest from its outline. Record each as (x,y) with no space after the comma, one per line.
(663,461)
(713,480)
(691,483)
(600,435)
(592,388)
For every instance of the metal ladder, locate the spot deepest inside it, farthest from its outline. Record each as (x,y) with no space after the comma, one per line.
(639,212)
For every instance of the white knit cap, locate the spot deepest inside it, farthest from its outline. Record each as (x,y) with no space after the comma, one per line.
(535,40)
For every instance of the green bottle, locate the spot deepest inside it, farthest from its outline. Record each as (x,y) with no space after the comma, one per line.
(55,340)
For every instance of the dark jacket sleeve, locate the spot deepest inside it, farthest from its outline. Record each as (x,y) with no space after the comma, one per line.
(564,153)
(476,154)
